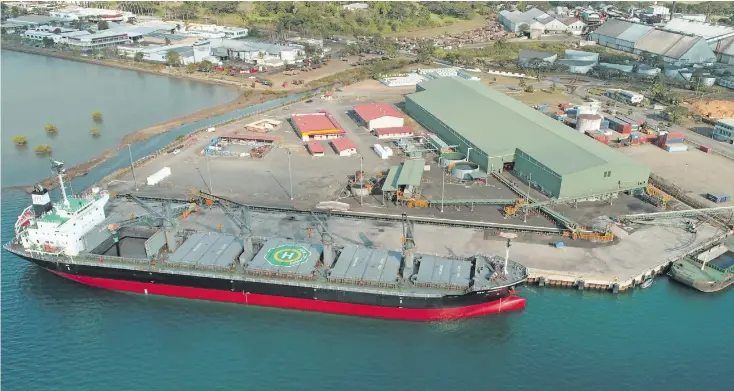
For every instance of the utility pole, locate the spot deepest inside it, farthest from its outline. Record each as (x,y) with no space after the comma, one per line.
(209,171)
(443,181)
(132,166)
(290,176)
(361,181)
(527,198)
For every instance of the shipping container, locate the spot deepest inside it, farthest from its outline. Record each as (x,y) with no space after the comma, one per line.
(669,140)
(704,148)
(604,124)
(619,125)
(676,147)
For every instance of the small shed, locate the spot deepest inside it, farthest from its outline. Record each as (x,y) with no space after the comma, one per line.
(394,132)
(344,147)
(315,148)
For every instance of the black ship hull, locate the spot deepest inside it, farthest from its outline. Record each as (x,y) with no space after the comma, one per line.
(329,300)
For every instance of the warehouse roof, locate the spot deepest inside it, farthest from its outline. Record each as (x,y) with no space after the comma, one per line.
(613,28)
(634,32)
(701,29)
(343,144)
(370,111)
(315,147)
(313,122)
(498,125)
(408,173)
(666,43)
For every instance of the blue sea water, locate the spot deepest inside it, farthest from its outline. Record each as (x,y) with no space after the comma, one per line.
(59,335)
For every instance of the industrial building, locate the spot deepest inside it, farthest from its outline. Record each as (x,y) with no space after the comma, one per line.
(316,126)
(638,38)
(396,132)
(344,147)
(316,148)
(235,138)
(497,132)
(403,182)
(720,38)
(379,115)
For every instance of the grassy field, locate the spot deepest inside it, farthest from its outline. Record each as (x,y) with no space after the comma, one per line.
(451,25)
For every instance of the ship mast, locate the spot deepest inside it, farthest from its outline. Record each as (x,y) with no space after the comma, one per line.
(507,256)
(408,247)
(58,168)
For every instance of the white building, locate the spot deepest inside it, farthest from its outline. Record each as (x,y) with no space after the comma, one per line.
(657,10)
(215,31)
(575,26)
(393,133)
(91,14)
(625,96)
(98,40)
(552,25)
(724,130)
(379,115)
(187,53)
(356,7)
(252,51)
(512,20)
(37,35)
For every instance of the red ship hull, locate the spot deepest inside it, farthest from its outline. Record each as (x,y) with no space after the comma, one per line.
(511,303)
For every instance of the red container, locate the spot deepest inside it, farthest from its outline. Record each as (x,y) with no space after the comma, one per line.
(704,148)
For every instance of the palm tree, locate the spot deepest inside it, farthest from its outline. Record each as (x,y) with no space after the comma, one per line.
(97,116)
(20,140)
(94,132)
(51,128)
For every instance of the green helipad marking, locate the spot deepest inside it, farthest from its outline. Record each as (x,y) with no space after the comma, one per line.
(287,255)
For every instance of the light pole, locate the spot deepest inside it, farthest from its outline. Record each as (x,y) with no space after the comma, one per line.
(361,182)
(468,150)
(527,198)
(209,172)
(443,181)
(132,165)
(290,176)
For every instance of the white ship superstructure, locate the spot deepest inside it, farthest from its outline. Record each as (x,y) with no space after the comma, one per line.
(60,227)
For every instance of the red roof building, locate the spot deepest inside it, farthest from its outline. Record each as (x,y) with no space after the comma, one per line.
(379,115)
(397,132)
(316,148)
(344,146)
(317,126)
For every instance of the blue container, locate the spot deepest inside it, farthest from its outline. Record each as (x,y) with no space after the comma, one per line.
(674,140)
(604,124)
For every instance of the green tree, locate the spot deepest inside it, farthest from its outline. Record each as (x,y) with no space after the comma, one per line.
(552,87)
(97,116)
(94,132)
(524,28)
(43,149)
(191,68)
(180,137)
(675,113)
(521,82)
(206,66)
(20,140)
(138,57)
(167,41)
(102,25)
(173,58)
(47,42)
(425,52)
(51,128)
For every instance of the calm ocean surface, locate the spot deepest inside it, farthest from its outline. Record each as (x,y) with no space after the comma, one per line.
(58,335)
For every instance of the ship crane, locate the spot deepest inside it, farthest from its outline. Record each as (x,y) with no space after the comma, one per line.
(326,238)
(408,247)
(58,168)
(170,224)
(244,223)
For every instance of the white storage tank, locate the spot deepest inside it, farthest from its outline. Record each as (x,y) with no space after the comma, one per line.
(160,175)
(588,122)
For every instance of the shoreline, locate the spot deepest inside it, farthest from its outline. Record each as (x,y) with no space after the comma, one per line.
(81,169)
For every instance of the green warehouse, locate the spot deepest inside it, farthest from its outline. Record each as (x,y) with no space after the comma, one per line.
(496,132)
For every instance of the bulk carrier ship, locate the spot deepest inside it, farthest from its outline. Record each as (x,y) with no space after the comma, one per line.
(151,254)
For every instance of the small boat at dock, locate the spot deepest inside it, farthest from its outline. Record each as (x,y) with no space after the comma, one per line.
(647,283)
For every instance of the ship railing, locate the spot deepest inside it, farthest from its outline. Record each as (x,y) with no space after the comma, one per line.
(438,285)
(353,281)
